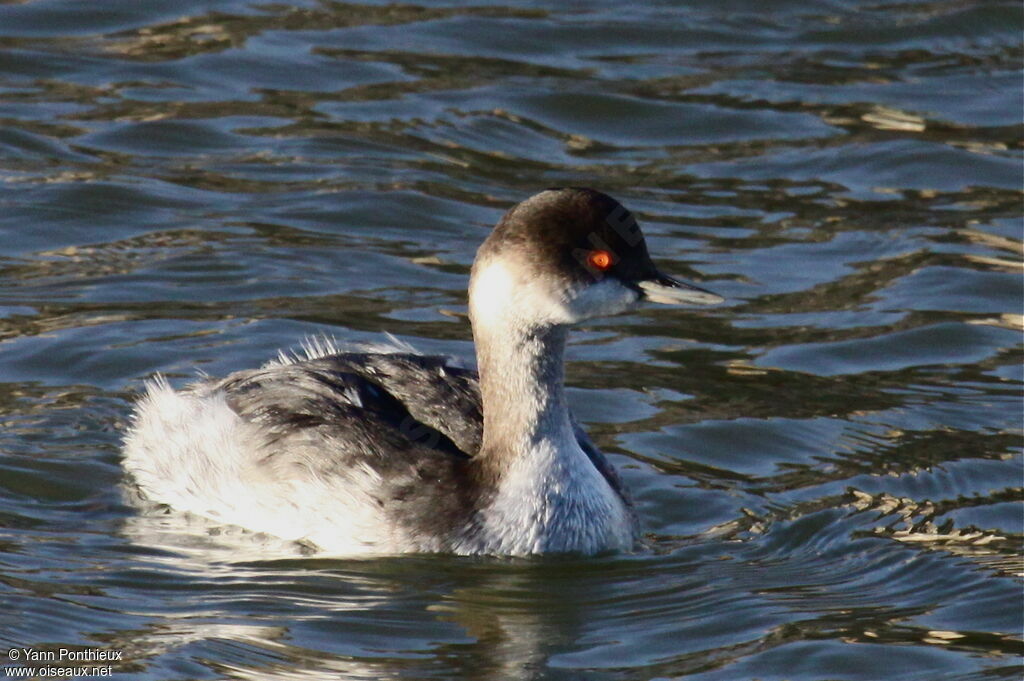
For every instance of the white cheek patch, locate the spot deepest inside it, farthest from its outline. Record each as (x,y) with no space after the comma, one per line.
(497,296)
(491,294)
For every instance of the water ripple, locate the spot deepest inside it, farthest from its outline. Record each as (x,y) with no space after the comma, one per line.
(829,466)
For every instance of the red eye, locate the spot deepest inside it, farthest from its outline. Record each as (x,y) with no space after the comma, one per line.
(600,260)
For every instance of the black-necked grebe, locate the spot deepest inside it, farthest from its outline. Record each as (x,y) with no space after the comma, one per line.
(386,453)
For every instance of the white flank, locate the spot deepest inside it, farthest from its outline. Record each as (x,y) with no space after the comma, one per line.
(189,450)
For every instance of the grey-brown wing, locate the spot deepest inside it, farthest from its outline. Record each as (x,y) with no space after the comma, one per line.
(375,402)
(396,416)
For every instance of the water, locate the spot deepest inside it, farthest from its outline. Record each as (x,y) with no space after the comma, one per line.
(828,466)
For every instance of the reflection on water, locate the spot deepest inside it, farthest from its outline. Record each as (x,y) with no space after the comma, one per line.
(828,467)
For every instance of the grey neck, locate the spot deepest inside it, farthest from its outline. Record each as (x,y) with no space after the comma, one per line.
(522,386)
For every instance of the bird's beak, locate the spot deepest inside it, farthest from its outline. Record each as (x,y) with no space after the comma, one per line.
(668,291)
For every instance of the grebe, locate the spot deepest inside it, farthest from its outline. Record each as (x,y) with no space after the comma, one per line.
(389,453)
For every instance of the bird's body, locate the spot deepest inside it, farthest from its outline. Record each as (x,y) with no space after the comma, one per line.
(359,453)
(385,453)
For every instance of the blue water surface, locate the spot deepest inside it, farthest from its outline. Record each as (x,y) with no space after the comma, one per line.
(828,466)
